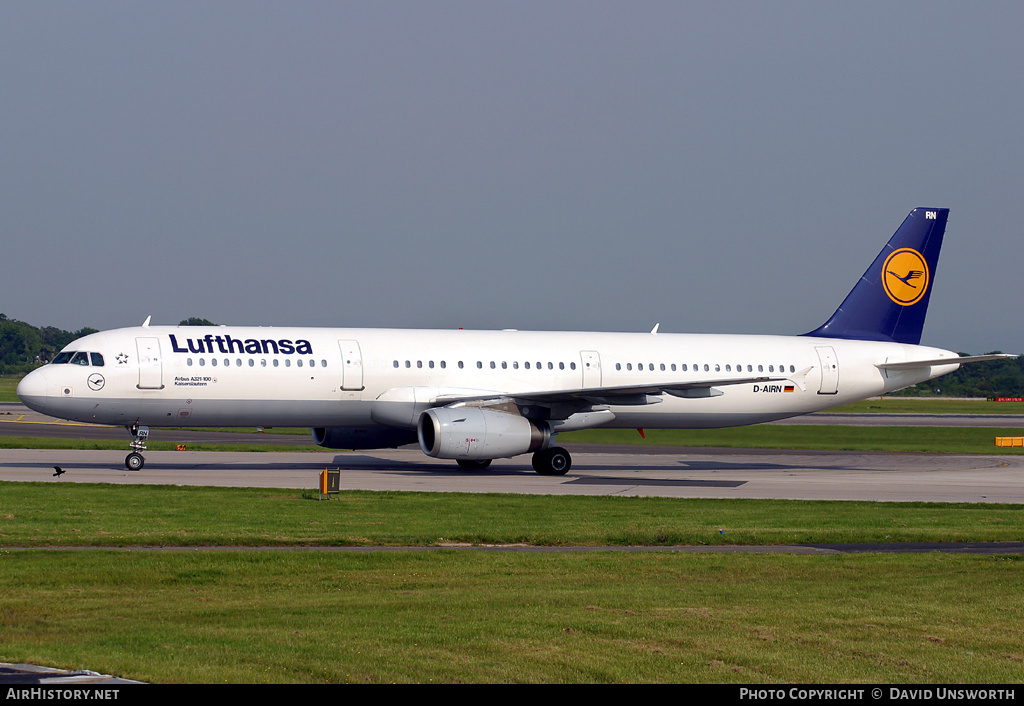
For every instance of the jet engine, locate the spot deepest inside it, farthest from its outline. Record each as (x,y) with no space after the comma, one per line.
(354,438)
(469,433)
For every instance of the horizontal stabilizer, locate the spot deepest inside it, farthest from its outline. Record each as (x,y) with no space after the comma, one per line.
(916,364)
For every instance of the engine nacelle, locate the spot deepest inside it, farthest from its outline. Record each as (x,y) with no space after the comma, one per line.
(476,434)
(356,438)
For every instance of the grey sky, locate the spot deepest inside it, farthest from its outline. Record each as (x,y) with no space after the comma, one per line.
(716,167)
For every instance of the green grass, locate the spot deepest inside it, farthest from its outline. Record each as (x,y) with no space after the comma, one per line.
(8,388)
(470,617)
(968,440)
(48,442)
(466,616)
(100,515)
(796,436)
(285,615)
(925,405)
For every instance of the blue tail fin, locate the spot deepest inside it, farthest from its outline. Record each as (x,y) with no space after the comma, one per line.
(890,301)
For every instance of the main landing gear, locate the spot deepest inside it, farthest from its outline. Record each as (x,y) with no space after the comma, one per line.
(134,461)
(555,461)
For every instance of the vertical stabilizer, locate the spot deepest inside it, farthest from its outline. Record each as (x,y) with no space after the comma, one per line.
(890,300)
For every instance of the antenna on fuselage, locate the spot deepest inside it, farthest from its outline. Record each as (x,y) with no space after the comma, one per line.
(145,324)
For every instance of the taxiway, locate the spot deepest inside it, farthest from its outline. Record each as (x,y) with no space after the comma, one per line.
(597,469)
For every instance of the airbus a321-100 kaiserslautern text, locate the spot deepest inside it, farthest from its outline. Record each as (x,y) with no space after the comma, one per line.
(474,396)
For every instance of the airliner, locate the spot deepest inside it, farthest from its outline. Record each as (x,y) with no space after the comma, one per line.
(475,396)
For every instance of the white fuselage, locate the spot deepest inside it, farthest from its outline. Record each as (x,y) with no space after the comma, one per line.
(299,377)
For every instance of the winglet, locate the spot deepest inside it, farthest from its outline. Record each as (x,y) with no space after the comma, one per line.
(890,301)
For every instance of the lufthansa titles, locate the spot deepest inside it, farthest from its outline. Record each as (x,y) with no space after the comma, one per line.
(228,344)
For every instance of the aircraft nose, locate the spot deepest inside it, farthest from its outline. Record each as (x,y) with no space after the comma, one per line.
(32,390)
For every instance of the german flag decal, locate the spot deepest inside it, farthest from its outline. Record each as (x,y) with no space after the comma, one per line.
(788,388)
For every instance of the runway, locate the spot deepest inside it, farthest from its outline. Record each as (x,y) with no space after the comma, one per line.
(596,470)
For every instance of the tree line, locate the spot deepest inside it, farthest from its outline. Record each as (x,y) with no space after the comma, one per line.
(24,347)
(995,378)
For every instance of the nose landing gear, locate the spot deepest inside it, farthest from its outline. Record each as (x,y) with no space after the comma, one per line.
(134,461)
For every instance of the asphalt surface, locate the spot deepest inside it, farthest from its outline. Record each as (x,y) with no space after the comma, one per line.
(598,469)
(57,681)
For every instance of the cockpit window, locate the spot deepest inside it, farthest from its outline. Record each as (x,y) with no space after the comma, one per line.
(78,358)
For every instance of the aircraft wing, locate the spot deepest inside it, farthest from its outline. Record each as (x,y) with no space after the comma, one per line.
(616,395)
